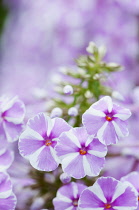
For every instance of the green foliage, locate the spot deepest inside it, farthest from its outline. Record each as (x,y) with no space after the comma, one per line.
(3,15)
(91,75)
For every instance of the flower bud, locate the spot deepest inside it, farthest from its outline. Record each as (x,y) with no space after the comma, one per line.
(73,111)
(65,178)
(56,112)
(68,90)
(91,48)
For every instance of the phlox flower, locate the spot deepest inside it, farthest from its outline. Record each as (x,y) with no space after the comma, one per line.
(80,153)
(7,198)
(108,193)
(67,196)
(38,140)
(12,112)
(106,120)
(133,178)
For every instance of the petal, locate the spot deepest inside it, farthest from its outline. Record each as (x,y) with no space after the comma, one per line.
(127,199)
(29,145)
(104,104)
(107,134)
(15,113)
(68,143)
(97,149)
(39,124)
(5,185)
(82,136)
(59,127)
(92,198)
(121,113)
(6,160)
(92,123)
(8,203)
(120,128)
(73,166)
(111,188)
(12,131)
(60,204)
(3,141)
(93,165)
(132,178)
(44,159)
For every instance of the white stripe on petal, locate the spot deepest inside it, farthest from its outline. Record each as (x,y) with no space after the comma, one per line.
(73,138)
(101,132)
(96,189)
(31,134)
(123,116)
(97,153)
(67,160)
(87,168)
(108,102)
(5,194)
(101,208)
(119,190)
(118,130)
(53,153)
(89,140)
(124,208)
(70,208)
(34,157)
(50,123)
(95,112)
(61,197)
(75,189)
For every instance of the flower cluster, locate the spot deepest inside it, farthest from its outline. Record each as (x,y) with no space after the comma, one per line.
(76,139)
(106,193)
(47,142)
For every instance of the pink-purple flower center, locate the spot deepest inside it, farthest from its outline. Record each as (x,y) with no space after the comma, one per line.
(82,151)
(107,206)
(75,202)
(108,118)
(48,142)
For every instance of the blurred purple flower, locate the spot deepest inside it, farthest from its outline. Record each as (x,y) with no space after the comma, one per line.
(67,196)
(38,140)
(7,198)
(6,159)
(108,193)
(81,155)
(106,120)
(12,112)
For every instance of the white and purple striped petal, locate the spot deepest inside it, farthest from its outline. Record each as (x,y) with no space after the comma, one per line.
(6,160)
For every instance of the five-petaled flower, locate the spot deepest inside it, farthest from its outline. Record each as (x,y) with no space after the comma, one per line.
(38,140)
(106,120)
(12,112)
(108,193)
(80,153)
(68,196)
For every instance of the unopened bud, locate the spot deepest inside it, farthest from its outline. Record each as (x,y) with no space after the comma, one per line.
(91,47)
(56,112)
(65,178)
(73,111)
(68,90)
